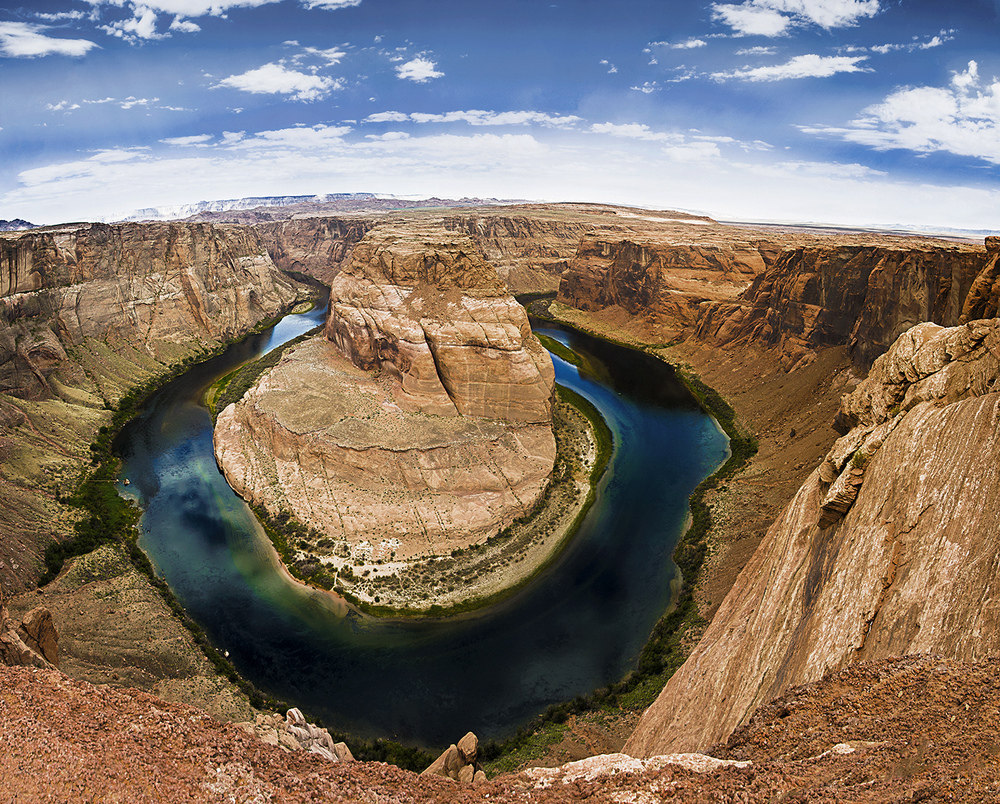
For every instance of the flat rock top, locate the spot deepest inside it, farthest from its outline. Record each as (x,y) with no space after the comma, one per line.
(315,389)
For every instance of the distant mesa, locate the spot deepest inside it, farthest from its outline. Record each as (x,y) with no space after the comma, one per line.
(257,209)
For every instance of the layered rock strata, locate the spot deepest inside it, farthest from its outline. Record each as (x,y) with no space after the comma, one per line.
(659,276)
(791,291)
(150,287)
(31,643)
(87,313)
(890,547)
(529,249)
(420,423)
(314,246)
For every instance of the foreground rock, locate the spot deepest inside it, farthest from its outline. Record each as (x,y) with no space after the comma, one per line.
(460,762)
(889,547)
(420,424)
(294,733)
(33,643)
(915,729)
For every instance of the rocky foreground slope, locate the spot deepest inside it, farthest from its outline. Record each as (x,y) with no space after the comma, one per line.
(904,730)
(890,547)
(420,422)
(87,313)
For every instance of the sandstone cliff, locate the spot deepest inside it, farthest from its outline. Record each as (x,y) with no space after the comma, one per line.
(87,313)
(861,295)
(665,277)
(315,246)
(792,291)
(890,547)
(420,423)
(529,249)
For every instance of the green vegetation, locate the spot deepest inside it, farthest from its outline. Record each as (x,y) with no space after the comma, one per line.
(231,387)
(559,349)
(859,460)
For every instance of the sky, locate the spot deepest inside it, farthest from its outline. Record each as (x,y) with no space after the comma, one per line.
(854,112)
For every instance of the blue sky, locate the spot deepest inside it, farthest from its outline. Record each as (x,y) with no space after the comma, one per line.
(873,112)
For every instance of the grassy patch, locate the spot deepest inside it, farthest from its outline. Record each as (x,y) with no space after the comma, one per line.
(560,350)
(231,387)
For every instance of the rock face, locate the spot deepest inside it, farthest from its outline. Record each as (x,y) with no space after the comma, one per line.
(663,277)
(33,643)
(889,548)
(863,296)
(317,247)
(790,291)
(529,251)
(420,423)
(149,287)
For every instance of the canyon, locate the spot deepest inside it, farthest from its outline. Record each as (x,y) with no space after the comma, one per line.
(833,553)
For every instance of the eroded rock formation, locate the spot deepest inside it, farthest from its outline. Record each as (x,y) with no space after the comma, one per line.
(420,423)
(790,291)
(154,288)
(529,250)
(315,246)
(32,643)
(889,548)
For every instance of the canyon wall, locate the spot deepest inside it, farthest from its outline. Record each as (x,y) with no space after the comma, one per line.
(88,312)
(316,246)
(529,251)
(793,292)
(662,279)
(890,547)
(154,288)
(420,423)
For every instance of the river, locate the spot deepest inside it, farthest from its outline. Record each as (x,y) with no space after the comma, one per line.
(578,626)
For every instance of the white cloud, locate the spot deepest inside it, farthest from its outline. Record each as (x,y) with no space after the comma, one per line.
(184,142)
(388,136)
(687,44)
(297,137)
(387,117)
(478,117)
(60,16)
(274,79)
(775,17)
(807,66)
(26,40)
(186,8)
(646,87)
(330,5)
(635,131)
(184,26)
(751,20)
(142,25)
(936,40)
(62,106)
(611,68)
(419,70)
(756,51)
(962,118)
(331,55)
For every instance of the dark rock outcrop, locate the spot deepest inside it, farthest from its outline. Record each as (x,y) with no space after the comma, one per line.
(317,246)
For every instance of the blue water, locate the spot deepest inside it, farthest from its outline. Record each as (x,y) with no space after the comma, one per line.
(576,627)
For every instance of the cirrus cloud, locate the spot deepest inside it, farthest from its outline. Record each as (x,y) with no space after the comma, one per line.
(808,66)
